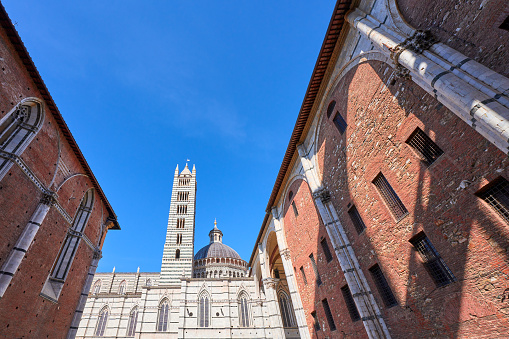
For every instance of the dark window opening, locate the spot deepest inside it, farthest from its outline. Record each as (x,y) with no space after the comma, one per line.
(356,219)
(177,254)
(496,194)
(350,303)
(326,250)
(276,274)
(340,123)
(316,323)
(315,269)
(390,197)
(425,146)
(383,286)
(328,314)
(330,109)
(434,264)
(505,24)
(303,275)
(295,211)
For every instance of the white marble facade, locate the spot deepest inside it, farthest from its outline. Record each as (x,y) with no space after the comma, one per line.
(206,296)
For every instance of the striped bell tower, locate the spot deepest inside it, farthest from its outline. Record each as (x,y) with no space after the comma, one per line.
(179,246)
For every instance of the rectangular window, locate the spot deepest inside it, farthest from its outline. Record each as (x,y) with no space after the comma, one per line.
(425,146)
(390,197)
(432,261)
(496,194)
(184,182)
(303,275)
(326,250)
(181,222)
(182,196)
(350,303)
(315,269)
(383,286)
(356,219)
(181,209)
(316,323)
(328,314)
(295,211)
(340,123)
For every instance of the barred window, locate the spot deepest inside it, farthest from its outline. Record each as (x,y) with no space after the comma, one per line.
(131,325)
(434,264)
(303,275)
(383,286)
(496,194)
(357,221)
(286,308)
(316,323)
(326,250)
(328,314)
(101,322)
(204,311)
(162,317)
(350,303)
(340,123)
(423,144)
(315,269)
(330,109)
(390,197)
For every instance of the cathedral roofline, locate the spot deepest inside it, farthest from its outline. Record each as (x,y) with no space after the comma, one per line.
(328,55)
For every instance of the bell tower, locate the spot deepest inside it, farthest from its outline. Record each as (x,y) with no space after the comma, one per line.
(179,246)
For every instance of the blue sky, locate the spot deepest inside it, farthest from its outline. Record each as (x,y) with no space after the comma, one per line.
(144,85)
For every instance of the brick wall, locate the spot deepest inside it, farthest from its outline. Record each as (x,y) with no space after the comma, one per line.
(470,236)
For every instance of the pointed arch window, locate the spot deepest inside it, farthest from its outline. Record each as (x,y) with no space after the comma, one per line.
(97,287)
(204,311)
(244,315)
(133,319)
(55,281)
(162,318)
(101,322)
(17,129)
(122,287)
(286,308)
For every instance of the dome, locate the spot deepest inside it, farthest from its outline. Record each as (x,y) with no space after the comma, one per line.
(216,250)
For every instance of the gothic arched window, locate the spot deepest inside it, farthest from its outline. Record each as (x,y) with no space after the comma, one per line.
(286,308)
(177,254)
(17,129)
(101,322)
(122,287)
(243,310)
(204,311)
(97,287)
(55,282)
(162,318)
(133,319)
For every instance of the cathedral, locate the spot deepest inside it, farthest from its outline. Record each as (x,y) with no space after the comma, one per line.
(204,295)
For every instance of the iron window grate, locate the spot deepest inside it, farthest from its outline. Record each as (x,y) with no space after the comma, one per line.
(315,269)
(340,123)
(425,146)
(383,286)
(434,264)
(356,219)
(497,195)
(350,304)
(391,198)
(328,314)
(326,250)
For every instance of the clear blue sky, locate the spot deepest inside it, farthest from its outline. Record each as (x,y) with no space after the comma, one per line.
(144,85)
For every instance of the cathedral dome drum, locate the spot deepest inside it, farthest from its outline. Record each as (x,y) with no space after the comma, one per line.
(217,260)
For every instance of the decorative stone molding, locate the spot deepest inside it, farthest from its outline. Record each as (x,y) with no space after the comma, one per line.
(270,283)
(285,253)
(48,198)
(323,194)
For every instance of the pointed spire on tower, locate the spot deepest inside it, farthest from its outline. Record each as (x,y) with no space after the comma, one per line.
(177,170)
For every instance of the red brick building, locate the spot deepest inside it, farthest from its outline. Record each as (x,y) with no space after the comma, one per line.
(390,213)
(53,214)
